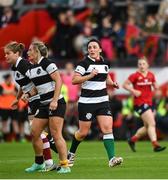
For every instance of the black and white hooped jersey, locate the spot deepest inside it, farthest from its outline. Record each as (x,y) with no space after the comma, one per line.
(93,90)
(20,69)
(40,76)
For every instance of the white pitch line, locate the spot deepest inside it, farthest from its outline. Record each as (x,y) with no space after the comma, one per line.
(78,158)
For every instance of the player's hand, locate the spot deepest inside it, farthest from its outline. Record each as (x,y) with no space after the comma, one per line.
(115,85)
(25,97)
(136,93)
(94,72)
(14,104)
(53,105)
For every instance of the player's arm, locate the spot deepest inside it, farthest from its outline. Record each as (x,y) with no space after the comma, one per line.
(155,85)
(79,79)
(154,82)
(25,97)
(128,86)
(32,92)
(58,84)
(110,82)
(18,96)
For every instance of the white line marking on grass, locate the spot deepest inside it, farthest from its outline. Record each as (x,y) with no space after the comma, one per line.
(80,158)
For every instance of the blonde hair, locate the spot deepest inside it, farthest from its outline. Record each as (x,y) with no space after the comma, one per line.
(41,48)
(144,59)
(15,47)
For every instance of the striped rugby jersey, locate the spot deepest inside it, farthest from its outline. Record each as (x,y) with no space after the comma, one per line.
(94,90)
(20,69)
(40,76)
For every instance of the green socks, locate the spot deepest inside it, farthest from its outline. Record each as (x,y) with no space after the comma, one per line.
(108,140)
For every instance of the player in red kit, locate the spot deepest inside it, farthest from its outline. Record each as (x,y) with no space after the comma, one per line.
(142,82)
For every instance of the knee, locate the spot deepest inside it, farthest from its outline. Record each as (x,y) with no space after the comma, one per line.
(152,123)
(35,134)
(56,135)
(106,129)
(81,134)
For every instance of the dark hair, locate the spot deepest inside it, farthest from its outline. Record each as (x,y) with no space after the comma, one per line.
(15,47)
(94,40)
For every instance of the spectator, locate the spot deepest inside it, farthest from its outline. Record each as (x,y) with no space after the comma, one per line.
(150,31)
(74,31)
(105,33)
(77,5)
(105,8)
(58,44)
(161,12)
(165,39)
(131,119)
(162,111)
(6,3)
(67,80)
(132,45)
(71,109)
(7,17)
(22,118)
(82,40)
(67,30)
(8,95)
(119,36)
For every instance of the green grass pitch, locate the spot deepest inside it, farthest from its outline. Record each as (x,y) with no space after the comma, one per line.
(91,162)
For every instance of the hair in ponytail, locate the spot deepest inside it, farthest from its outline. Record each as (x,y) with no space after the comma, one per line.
(41,48)
(15,47)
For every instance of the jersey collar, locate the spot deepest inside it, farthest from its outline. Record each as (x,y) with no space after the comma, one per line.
(143,74)
(17,61)
(40,60)
(102,59)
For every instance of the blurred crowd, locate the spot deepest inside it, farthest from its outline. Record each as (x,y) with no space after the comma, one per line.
(126,29)
(14,123)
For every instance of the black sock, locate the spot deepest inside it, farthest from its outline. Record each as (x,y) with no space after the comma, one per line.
(52,143)
(39,159)
(74,145)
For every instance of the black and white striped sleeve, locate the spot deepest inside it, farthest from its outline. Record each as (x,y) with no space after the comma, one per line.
(81,68)
(49,66)
(23,67)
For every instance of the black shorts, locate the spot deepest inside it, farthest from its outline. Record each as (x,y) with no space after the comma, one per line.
(7,113)
(33,106)
(89,112)
(44,112)
(23,115)
(143,108)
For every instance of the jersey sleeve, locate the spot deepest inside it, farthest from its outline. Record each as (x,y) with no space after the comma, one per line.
(81,68)
(23,67)
(49,66)
(132,78)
